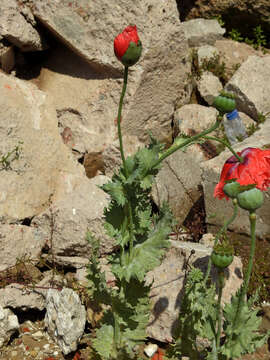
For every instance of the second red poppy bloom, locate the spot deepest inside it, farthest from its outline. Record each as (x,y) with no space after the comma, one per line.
(255,169)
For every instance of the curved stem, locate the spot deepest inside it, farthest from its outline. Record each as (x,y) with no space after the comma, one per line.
(173,148)
(219,309)
(221,231)
(119,120)
(240,159)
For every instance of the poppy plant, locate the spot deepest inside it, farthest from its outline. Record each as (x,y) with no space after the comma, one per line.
(127,46)
(255,169)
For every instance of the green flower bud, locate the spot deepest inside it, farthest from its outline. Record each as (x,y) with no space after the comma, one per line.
(250,199)
(224,103)
(133,54)
(232,189)
(222,255)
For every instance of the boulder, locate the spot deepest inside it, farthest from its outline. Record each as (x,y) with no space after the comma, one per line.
(206,52)
(67,221)
(148,106)
(209,86)
(9,324)
(211,170)
(251,84)
(15,27)
(178,181)
(241,13)
(19,243)
(202,32)
(37,167)
(65,318)
(234,53)
(167,289)
(31,296)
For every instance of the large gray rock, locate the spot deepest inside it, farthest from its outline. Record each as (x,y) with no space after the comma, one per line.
(19,243)
(233,54)
(167,289)
(65,318)
(206,52)
(218,211)
(42,169)
(202,31)
(251,84)
(209,86)
(148,106)
(241,12)
(16,29)
(66,222)
(179,179)
(8,325)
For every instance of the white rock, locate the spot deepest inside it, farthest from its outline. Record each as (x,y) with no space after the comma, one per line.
(8,325)
(251,85)
(201,31)
(65,318)
(206,52)
(209,86)
(150,350)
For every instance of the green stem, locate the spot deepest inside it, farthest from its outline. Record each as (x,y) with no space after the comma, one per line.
(173,148)
(225,143)
(119,120)
(116,334)
(129,208)
(252,220)
(221,231)
(219,309)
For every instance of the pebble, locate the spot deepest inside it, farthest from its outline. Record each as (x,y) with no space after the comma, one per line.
(150,349)
(37,335)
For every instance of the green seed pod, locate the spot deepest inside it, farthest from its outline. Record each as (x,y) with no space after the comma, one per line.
(232,189)
(222,255)
(251,199)
(224,104)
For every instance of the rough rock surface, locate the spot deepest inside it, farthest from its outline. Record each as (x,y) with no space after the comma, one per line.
(210,176)
(206,52)
(202,31)
(209,86)
(8,325)
(16,29)
(66,222)
(241,11)
(17,243)
(179,179)
(65,318)
(42,168)
(167,289)
(234,53)
(252,91)
(29,297)
(148,106)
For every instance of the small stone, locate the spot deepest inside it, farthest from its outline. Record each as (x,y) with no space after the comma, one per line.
(14,353)
(150,350)
(37,335)
(46,346)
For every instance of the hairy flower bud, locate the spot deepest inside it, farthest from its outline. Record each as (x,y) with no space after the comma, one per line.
(127,46)
(250,200)
(222,255)
(224,103)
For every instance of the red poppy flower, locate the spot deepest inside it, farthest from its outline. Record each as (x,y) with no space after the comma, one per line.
(255,169)
(127,46)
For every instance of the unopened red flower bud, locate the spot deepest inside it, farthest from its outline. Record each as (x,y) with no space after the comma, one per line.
(127,46)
